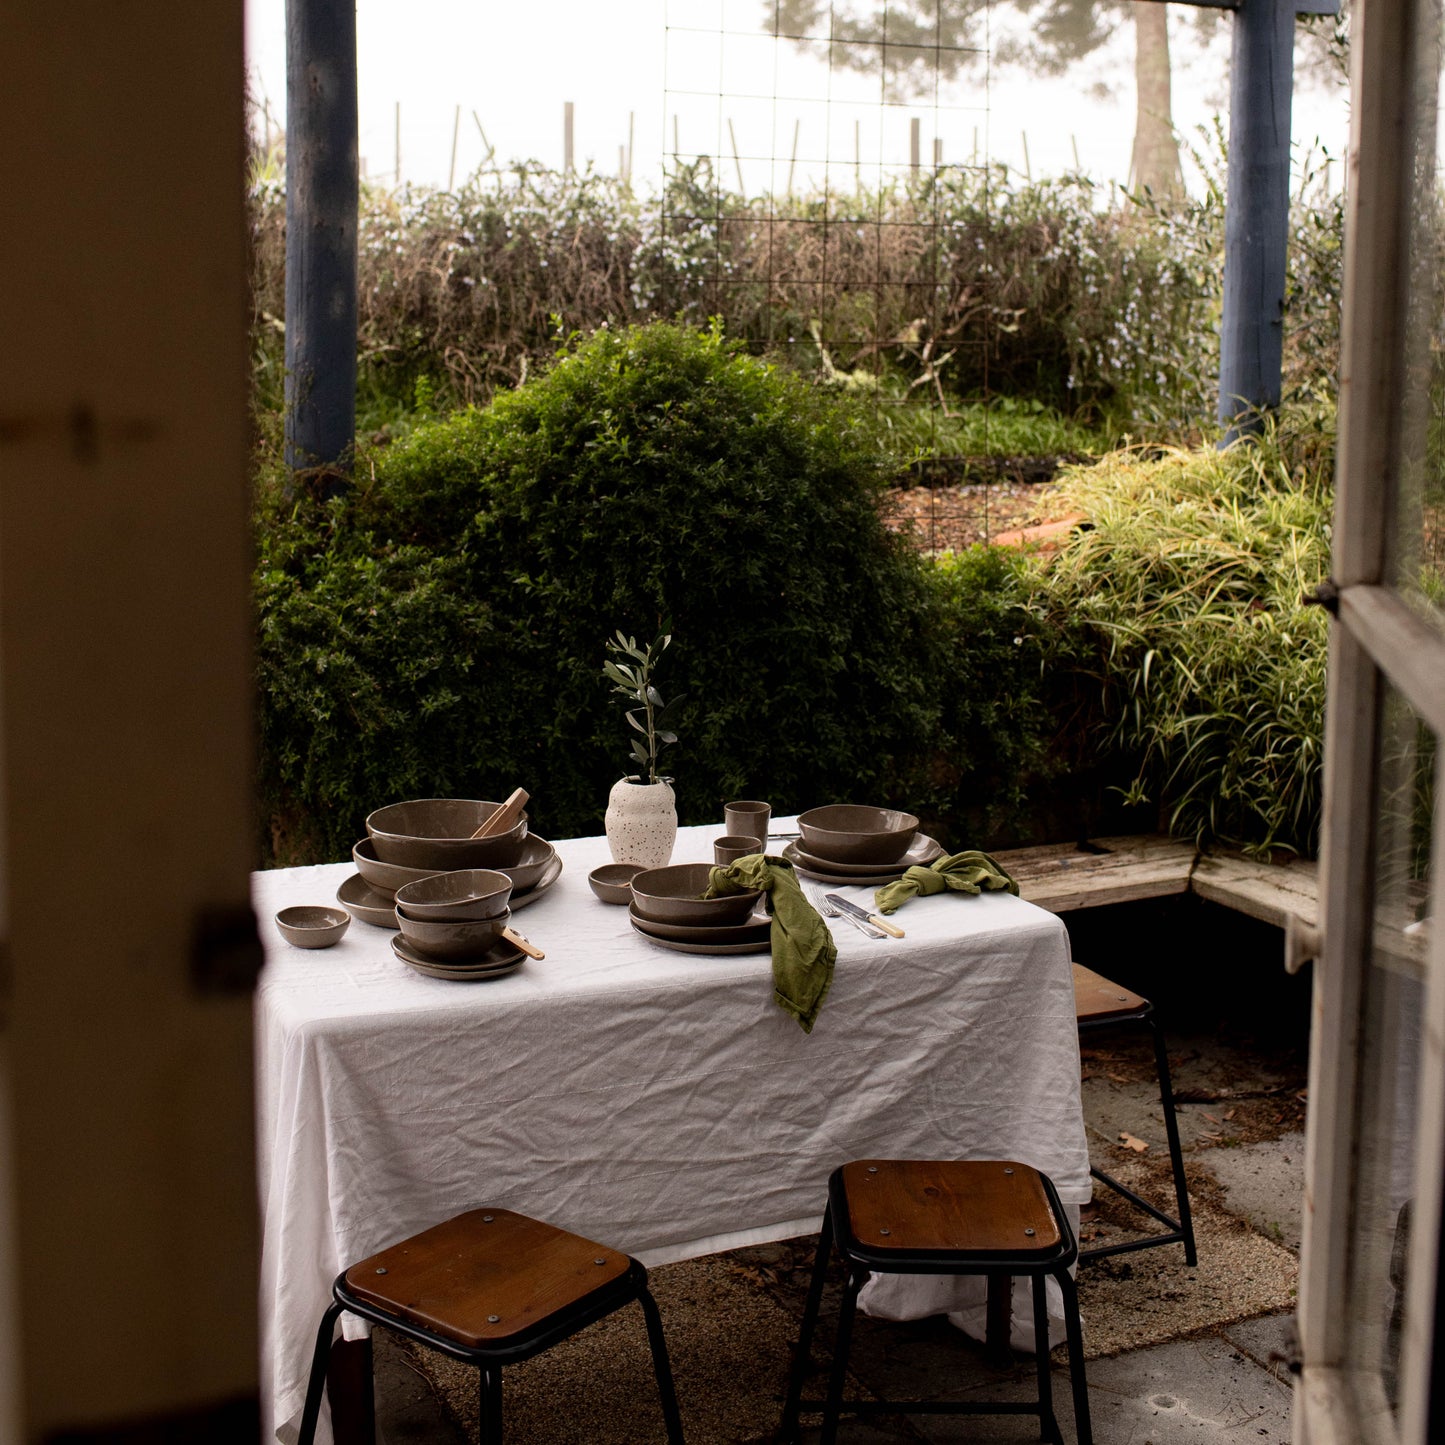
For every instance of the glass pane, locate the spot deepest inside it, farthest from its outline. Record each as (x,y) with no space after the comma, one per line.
(1391,1011)
(1418,550)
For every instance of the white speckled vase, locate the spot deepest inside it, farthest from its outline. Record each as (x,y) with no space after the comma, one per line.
(641,822)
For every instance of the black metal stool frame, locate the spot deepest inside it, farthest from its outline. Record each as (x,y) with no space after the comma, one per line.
(1175,1231)
(629,1286)
(862,1262)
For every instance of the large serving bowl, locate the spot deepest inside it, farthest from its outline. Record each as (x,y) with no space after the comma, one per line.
(672,895)
(850,833)
(462,896)
(436,834)
(451,938)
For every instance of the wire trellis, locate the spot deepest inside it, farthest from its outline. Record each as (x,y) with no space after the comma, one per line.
(837,260)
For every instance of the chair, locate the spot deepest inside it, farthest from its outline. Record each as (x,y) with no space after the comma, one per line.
(492,1288)
(896,1216)
(1100,1003)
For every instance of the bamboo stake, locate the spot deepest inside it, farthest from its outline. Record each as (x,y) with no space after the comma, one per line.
(793,159)
(732,136)
(915,144)
(456,130)
(567,120)
(1028,170)
(491,149)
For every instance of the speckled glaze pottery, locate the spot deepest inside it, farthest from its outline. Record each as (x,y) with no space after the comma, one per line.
(641,822)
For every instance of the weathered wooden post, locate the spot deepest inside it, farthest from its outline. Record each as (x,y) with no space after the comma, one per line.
(1256,212)
(321,210)
(1256,204)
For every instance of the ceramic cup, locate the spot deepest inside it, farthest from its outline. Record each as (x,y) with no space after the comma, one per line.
(732,846)
(749,820)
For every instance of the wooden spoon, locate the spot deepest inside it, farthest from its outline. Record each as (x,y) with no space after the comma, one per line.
(525,944)
(504,816)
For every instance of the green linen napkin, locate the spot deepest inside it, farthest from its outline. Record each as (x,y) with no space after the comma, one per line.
(803,949)
(967,872)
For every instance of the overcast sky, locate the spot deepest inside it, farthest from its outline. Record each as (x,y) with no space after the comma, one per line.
(639,64)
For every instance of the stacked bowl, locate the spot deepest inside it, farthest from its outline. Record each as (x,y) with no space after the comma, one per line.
(668,909)
(455,925)
(847,843)
(407,842)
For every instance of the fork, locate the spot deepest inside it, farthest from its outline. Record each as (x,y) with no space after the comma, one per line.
(819,900)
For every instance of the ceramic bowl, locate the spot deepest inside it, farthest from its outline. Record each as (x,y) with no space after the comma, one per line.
(451,938)
(537,857)
(673,895)
(436,834)
(462,896)
(847,833)
(311,927)
(384,877)
(612,882)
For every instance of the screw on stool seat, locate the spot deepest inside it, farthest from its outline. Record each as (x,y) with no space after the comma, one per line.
(1100,1003)
(491,1287)
(901,1216)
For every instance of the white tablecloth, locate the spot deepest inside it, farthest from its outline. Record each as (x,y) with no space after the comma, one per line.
(657,1101)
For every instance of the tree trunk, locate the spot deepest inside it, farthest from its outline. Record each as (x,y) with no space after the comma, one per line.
(1155,166)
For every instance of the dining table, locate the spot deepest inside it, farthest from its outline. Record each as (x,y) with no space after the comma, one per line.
(655,1100)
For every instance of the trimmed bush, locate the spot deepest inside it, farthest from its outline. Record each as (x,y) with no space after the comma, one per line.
(440,631)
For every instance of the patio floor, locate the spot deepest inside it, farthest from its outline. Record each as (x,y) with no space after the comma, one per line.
(1175,1354)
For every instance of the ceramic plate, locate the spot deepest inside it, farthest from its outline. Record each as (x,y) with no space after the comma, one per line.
(363,901)
(553,873)
(921,852)
(758,926)
(848,880)
(762,946)
(500,959)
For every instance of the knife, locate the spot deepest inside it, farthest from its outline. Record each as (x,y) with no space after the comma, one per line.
(840,902)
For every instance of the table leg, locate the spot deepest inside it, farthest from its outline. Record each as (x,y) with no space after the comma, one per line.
(351,1392)
(999,1321)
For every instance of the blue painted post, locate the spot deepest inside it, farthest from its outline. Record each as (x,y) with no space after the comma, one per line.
(322,195)
(1256,216)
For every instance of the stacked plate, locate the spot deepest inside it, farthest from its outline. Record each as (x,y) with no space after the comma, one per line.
(454,925)
(668,909)
(845,844)
(406,842)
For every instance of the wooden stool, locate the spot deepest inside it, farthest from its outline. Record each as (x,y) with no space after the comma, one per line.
(492,1288)
(1099,1003)
(900,1216)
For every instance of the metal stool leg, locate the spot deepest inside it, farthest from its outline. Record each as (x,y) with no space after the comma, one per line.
(489,1412)
(1048,1423)
(317,1383)
(1171,1129)
(1083,1428)
(840,1358)
(661,1367)
(788,1430)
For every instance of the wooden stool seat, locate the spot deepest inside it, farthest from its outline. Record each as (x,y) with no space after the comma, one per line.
(485,1278)
(1097,998)
(490,1287)
(959,1206)
(995,1219)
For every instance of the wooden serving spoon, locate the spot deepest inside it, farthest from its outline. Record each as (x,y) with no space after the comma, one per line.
(525,944)
(504,816)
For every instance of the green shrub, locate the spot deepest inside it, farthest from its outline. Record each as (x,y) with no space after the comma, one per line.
(441,629)
(1185,599)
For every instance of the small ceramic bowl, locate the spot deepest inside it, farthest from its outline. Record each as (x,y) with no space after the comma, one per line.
(848,833)
(436,834)
(311,927)
(462,896)
(612,882)
(674,895)
(451,938)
